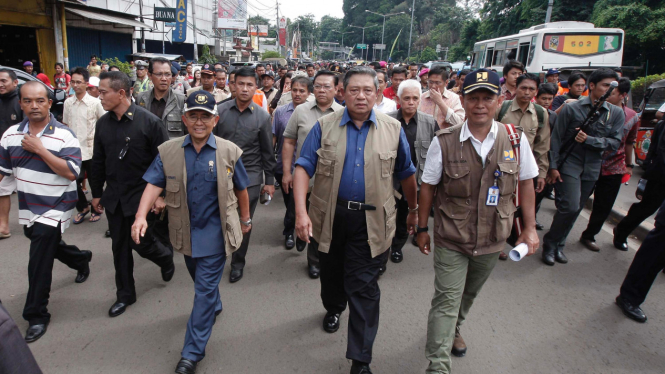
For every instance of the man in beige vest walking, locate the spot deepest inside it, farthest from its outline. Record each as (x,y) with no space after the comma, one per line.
(474,170)
(355,154)
(205,183)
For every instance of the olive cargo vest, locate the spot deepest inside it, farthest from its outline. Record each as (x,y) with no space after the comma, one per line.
(227,154)
(462,220)
(380,156)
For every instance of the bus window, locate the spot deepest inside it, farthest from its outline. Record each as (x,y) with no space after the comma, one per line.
(498,58)
(475,62)
(524,53)
(532,50)
(488,57)
(511,50)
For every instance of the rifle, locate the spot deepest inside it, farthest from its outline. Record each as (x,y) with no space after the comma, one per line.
(591,117)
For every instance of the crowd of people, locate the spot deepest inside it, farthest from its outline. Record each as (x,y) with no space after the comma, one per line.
(178,158)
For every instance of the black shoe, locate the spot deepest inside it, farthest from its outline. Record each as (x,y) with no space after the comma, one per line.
(167,273)
(382,270)
(539,226)
(560,257)
(82,275)
(300,245)
(548,256)
(289,243)
(633,312)
(117,309)
(314,271)
(550,196)
(35,332)
(236,275)
(185,366)
(331,322)
(360,368)
(107,234)
(503,256)
(619,243)
(396,256)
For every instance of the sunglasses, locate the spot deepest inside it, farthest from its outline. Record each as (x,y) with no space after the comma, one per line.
(124,150)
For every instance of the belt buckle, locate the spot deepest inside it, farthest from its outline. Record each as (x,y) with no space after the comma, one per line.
(357,204)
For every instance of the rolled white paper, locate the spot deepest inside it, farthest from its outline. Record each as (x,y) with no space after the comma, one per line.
(519,252)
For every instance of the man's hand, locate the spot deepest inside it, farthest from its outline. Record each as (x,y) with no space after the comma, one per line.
(138,229)
(411,222)
(96,206)
(245,229)
(581,136)
(570,101)
(436,96)
(303,227)
(158,206)
(553,176)
(530,237)
(269,189)
(423,242)
(540,185)
(287,182)
(32,144)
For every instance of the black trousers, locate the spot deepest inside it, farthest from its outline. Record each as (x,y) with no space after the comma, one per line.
(238,259)
(15,356)
(349,274)
(290,215)
(654,195)
(544,193)
(122,244)
(604,196)
(401,231)
(82,203)
(46,246)
(647,263)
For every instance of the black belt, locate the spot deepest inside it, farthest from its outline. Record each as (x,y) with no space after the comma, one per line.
(354,205)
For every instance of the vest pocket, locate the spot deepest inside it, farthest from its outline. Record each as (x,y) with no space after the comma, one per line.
(509,177)
(390,210)
(455,222)
(175,231)
(172,196)
(387,163)
(326,163)
(457,181)
(234,233)
(504,219)
(317,214)
(173,122)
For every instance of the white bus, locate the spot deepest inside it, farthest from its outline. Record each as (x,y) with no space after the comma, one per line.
(566,46)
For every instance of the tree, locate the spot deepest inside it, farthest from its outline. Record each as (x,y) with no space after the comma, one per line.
(428,54)
(272,54)
(206,57)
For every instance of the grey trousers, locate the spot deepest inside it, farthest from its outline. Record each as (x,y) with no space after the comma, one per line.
(571,195)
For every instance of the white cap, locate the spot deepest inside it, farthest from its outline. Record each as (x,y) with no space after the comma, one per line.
(93,82)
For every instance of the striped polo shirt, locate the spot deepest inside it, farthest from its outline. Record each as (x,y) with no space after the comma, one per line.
(43,195)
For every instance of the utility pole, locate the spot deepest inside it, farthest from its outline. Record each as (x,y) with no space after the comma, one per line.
(548,16)
(215,31)
(279,50)
(413,8)
(196,51)
(384,25)
(142,32)
(363,40)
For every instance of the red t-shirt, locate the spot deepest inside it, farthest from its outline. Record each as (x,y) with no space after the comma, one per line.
(61,80)
(391,94)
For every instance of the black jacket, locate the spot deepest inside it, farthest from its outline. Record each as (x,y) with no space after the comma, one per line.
(654,163)
(10,111)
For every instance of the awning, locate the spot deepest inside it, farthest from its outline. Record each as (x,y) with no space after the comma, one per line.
(150,56)
(108,18)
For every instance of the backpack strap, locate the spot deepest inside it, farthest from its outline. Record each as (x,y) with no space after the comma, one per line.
(514,138)
(540,113)
(504,108)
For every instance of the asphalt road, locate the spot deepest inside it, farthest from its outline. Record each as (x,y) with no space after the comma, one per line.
(529,318)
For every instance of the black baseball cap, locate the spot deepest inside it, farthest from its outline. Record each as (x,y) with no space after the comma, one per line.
(201,100)
(207,69)
(482,78)
(267,75)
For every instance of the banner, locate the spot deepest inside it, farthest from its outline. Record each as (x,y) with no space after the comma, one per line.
(180,31)
(232,14)
(583,44)
(262,31)
(282,31)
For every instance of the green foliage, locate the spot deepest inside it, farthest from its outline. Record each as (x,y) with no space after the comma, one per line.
(639,85)
(428,54)
(206,57)
(328,55)
(272,54)
(124,67)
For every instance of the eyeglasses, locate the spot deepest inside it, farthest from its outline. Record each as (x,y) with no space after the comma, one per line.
(76,83)
(320,87)
(434,83)
(124,150)
(205,119)
(162,75)
(475,101)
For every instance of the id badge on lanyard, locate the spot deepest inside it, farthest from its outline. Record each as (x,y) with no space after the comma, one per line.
(493,191)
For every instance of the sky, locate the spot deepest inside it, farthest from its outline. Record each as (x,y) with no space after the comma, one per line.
(294,8)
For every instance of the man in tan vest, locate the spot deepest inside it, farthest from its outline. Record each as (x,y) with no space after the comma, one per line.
(355,154)
(474,170)
(206,184)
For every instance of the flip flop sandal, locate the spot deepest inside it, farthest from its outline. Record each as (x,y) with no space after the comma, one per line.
(5,236)
(80,217)
(95,215)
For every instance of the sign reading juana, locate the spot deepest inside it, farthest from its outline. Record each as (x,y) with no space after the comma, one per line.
(165,14)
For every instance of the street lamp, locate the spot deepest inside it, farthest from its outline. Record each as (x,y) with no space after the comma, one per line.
(384,25)
(348,32)
(363,41)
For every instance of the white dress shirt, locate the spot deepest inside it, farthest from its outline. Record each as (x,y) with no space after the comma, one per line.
(81,116)
(386,105)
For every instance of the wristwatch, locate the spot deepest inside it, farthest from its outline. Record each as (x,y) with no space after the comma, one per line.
(414,210)
(421,229)
(248,223)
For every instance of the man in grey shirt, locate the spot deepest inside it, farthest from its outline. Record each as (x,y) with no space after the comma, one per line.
(575,179)
(248,126)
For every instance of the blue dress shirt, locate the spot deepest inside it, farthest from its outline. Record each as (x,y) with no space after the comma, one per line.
(352,183)
(204,216)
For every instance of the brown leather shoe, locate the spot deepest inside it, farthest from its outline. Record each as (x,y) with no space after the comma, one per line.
(459,347)
(590,244)
(503,256)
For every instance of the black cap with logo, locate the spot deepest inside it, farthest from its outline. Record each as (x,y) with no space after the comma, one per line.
(482,78)
(201,100)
